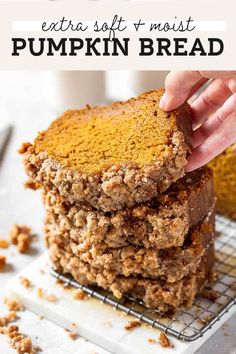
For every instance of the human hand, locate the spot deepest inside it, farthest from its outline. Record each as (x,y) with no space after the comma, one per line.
(213,111)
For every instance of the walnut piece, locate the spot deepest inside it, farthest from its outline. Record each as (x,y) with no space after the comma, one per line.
(13,305)
(25,282)
(164,340)
(20,235)
(132,324)
(20,342)
(10,317)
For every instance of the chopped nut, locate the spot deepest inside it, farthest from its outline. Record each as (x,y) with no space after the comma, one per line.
(40,318)
(79,294)
(151,340)
(164,340)
(23,243)
(10,317)
(24,147)
(13,305)
(4,243)
(12,329)
(2,262)
(132,324)
(20,235)
(25,282)
(72,335)
(20,342)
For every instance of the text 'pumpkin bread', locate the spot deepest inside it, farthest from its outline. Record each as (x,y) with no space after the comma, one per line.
(112,156)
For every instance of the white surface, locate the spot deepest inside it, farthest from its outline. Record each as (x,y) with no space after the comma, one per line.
(22,102)
(94,320)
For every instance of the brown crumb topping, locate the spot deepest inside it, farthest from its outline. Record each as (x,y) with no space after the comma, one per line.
(10,317)
(164,340)
(24,147)
(25,282)
(20,235)
(4,243)
(13,304)
(79,294)
(20,342)
(208,294)
(132,324)
(2,262)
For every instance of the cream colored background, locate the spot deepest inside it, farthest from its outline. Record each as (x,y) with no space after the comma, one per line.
(200,10)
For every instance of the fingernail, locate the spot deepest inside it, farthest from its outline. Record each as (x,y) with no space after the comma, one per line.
(163,102)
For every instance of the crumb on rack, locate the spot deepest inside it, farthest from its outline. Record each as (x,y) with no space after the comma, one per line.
(208,318)
(4,243)
(20,235)
(164,340)
(79,294)
(10,317)
(13,304)
(132,324)
(208,294)
(2,262)
(64,285)
(25,282)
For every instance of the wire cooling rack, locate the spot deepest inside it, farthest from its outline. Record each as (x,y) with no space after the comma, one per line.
(191,324)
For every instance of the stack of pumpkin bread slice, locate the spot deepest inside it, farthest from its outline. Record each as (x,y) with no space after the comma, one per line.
(121,213)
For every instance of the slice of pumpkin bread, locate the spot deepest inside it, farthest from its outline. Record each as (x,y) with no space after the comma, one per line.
(224,168)
(161,223)
(171,264)
(155,293)
(112,156)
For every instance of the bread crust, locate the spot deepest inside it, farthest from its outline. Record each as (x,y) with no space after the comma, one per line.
(115,185)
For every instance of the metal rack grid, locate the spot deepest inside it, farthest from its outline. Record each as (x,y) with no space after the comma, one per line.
(187,325)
